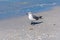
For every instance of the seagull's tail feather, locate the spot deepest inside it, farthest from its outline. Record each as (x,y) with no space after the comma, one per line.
(40,17)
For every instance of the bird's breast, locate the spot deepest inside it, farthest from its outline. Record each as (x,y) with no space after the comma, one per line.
(31,17)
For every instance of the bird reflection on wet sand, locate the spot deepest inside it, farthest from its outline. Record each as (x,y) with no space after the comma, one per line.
(34,23)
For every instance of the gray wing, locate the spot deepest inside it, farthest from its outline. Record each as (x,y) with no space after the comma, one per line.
(35,17)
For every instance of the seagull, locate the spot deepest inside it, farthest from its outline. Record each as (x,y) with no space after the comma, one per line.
(33,17)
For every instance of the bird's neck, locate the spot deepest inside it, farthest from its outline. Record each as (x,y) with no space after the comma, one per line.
(30,14)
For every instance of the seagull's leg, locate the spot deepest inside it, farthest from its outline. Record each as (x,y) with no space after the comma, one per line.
(31,22)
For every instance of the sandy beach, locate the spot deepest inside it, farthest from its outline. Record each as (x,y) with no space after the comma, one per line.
(20,29)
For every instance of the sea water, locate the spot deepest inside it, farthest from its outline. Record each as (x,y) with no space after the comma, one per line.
(17,8)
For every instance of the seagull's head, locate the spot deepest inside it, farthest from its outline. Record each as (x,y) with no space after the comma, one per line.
(29,13)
